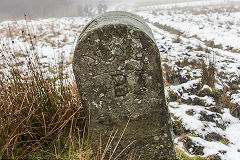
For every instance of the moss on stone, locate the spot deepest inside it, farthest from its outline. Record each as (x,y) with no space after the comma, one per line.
(118,72)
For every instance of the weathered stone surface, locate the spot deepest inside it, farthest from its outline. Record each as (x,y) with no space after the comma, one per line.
(118,73)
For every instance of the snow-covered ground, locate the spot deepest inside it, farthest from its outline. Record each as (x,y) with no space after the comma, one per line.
(187,34)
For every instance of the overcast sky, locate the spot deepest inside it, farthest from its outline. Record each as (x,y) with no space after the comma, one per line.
(37,8)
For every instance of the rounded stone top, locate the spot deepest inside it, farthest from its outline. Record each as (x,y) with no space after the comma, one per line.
(117,18)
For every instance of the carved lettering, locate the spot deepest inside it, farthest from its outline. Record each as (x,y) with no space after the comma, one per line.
(120,84)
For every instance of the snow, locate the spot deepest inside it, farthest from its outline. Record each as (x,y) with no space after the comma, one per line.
(197,25)
(236,98)
(196,30)
(190,122)
(211,147)
(206,87)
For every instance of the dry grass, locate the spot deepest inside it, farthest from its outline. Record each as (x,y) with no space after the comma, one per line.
(36,112)
(208,74)
(226,99)
(41,117)
(170,30)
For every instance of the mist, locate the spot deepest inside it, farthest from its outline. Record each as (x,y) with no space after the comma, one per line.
(15,9)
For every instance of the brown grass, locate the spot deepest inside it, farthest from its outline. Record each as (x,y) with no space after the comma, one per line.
(208,74)
(35,112)
(41,117)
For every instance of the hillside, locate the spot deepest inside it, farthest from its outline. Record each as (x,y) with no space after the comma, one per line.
(200,54)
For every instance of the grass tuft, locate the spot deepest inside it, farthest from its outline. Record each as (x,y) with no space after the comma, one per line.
(208,74)
(39,114)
